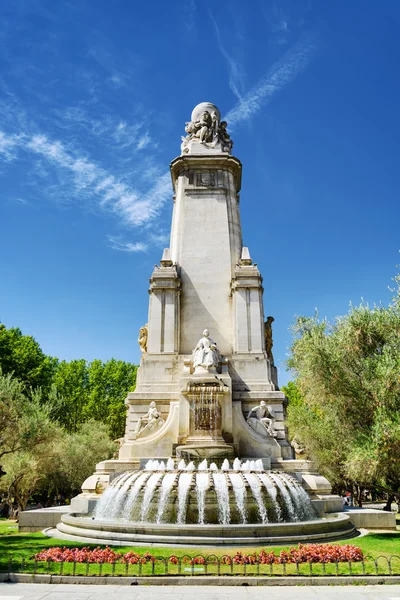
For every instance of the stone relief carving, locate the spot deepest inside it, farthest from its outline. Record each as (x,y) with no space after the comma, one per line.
(207,130)
(262,415)
(268,338)
(142,340)
(149,422)
(206,178)
(206,353)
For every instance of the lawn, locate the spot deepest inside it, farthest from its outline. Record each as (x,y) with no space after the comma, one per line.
(18,546)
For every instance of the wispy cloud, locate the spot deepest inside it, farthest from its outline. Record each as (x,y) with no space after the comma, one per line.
(7,146)
(279,75)
(188,11)
(159,239)
(235,70)
(89,179)
(122,246)
(118,132)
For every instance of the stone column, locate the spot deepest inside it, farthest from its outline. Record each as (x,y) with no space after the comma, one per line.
(164,308)
(247,293)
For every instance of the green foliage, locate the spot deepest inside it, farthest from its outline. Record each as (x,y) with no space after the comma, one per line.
(57,419)
(292,393)
(24,421)
(348,373)
(94,390)
(26,436)
(22,356)
(74,391)
(109,384)
(71,385)
(76,456)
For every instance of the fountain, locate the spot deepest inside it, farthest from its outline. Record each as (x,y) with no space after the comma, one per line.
(205,444)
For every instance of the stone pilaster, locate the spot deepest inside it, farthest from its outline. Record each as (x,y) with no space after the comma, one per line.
(164,292)
(247,294)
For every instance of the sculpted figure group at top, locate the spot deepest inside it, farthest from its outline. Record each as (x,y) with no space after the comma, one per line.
(209,131)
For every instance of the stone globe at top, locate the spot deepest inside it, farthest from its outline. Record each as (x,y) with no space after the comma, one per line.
(202,107)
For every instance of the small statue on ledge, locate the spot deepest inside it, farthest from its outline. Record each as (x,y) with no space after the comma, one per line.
(298,448)
(149,422)
(206,353)
(142,341)
(263,414)
(268,338)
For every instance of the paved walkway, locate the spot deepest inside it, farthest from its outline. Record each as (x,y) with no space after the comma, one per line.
(31,591)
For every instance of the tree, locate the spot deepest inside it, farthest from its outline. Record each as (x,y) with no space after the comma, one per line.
(71,387)
(109,384)
(26,434)
(81,451)
(25,469)
(348,374)
(75,459)
(96,390)
(24,421)
(292,393)
(21,356)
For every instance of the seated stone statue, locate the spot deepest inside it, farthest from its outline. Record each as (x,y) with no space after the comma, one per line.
(149,422)
(264,415)
(206,353)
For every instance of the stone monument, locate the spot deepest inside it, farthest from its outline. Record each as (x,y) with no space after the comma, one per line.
(207,385)
(205,458)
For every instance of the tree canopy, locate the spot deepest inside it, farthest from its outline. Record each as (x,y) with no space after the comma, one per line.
(57,418)
(348,377)
(22,356)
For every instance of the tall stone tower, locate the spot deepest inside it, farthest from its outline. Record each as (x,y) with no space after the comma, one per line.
(206,280)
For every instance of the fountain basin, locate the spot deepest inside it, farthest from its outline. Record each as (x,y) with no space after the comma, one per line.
(75,527)
(210,451)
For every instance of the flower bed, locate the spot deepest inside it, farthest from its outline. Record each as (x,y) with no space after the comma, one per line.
(315,553)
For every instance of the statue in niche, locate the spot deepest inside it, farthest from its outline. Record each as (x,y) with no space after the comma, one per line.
(143,335)
(149,422)
(268,338)
(208,131)
(262,414)
(206,353)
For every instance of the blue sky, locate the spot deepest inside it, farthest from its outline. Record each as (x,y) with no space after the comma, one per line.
(93,101)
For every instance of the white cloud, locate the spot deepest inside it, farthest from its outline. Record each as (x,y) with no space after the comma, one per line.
(91,180)
(235,70)
(279,75)
(122,246)
(7,146)
(112,131)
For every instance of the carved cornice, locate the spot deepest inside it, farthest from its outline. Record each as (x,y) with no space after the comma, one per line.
(203,161)
(165,278)
(247,276)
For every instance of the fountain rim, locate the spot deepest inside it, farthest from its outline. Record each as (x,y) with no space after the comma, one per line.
(337,517)
(337,526)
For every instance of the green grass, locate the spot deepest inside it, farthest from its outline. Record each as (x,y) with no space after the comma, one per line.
(8,527)
(20,546)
